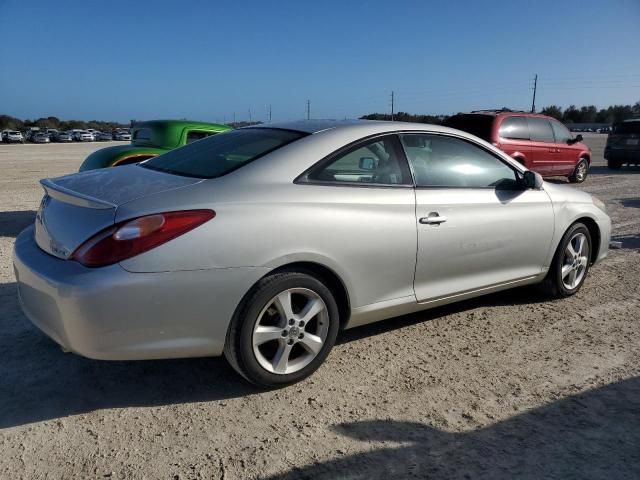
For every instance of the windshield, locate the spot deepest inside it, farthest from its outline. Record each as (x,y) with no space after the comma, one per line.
(478,125)
(220,154)
(625,128)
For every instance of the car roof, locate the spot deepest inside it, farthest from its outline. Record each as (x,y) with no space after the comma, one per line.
(317,126)
(177,123)
(504,113)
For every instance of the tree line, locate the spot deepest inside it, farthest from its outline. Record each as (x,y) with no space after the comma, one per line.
(572,114)
(8,122)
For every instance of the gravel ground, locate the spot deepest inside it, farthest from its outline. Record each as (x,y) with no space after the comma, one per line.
(510,385)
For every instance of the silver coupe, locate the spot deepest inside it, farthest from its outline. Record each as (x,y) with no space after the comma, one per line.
(262,243)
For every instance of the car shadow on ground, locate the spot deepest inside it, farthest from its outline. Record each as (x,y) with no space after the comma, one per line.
(603,170)
(630,202)
(629,241)
(515,296)
(592,435)
(12,223)
(39,382)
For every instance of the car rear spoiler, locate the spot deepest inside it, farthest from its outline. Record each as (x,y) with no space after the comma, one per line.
(69,196)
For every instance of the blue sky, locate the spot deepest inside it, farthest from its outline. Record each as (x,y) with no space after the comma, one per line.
(116,60)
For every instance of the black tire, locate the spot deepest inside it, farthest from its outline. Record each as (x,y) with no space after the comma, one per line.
(581,171)
(614,164)
(239,349)
(553,284)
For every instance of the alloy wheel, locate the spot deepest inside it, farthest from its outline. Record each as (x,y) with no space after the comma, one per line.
(576,260)
(581,171)
(290,331)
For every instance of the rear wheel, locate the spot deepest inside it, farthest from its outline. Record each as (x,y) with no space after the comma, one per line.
(614,164)
(283,330)
(570,263)
(581,171)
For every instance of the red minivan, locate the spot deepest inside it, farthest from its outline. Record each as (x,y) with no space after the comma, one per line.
(540,143)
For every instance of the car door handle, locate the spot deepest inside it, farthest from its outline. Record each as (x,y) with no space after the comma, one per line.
(434,218)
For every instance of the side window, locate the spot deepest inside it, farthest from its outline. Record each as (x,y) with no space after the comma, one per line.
(540,130)
(440,161)
(142,134)
(560,132)
(376,162)
(515,128)
(194,135)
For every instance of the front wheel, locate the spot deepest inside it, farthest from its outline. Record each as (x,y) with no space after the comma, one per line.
(581,171)
(570,263)
(283,330)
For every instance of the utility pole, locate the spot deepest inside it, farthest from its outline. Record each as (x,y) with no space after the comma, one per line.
(535,87)
(308,109)
(392,105)
(269,113)
(234,118)
(249,115)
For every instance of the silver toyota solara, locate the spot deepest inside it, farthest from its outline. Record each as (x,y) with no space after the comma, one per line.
(263,242)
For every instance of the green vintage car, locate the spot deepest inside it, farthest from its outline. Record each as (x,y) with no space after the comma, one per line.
(150,139)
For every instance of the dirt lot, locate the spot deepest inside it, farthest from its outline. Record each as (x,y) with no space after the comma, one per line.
(510,385)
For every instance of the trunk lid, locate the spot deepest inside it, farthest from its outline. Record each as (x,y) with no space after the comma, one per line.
(77,206)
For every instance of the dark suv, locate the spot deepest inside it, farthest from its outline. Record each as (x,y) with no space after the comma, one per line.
(623,144)
(540,143)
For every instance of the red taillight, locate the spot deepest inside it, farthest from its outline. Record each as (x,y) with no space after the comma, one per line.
(138,235)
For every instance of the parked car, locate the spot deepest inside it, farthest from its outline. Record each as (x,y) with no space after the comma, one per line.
(623,144)
(122,136)
(52,133)
(150,139)
(263,242)
(40,137)
(540,143)
(12,136)
(102,137)
(83,136)
(64,137)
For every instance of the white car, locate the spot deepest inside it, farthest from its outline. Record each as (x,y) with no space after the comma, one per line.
(12,136)
(123,136)
(83,136)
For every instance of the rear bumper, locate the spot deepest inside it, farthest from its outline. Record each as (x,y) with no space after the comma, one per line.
(110,314)
(619,155)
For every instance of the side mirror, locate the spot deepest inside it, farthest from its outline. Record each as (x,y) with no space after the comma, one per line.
(367,163)
(533,180)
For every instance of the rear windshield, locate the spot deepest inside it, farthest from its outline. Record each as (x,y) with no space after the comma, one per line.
(626,128)
(220,154)
(478,125)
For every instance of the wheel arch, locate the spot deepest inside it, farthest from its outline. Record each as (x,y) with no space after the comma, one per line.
(594,231)
(329,277)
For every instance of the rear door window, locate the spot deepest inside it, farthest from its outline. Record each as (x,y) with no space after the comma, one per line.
(626,128)
(142,134)
(514,128)
(540,130)
(476,124)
